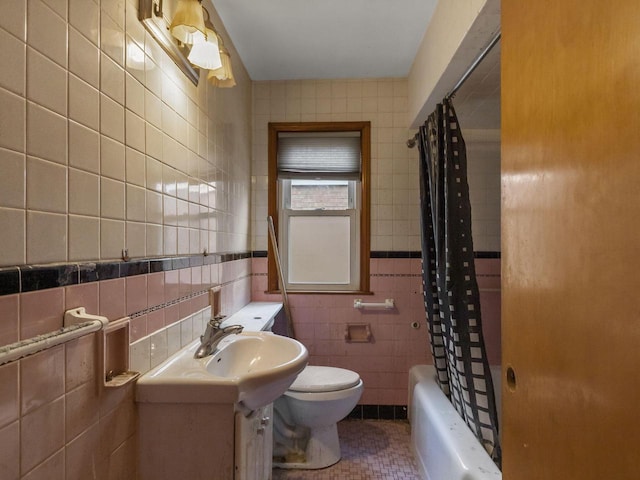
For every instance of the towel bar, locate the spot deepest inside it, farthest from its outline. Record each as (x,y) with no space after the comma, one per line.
(388,304)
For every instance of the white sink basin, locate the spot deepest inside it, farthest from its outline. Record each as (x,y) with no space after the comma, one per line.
(251,369)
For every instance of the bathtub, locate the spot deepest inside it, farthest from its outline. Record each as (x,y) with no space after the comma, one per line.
(443,445)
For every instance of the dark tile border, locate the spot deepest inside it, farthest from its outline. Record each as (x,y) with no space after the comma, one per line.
(487,254)
(212,259)
(138,267)
(392,254)
(94,272)
(29,278)
(9,281)
(228,257)
(161,265)
(379,412)
(180,263)
(41,278)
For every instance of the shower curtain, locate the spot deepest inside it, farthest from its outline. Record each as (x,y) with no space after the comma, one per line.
(451,295)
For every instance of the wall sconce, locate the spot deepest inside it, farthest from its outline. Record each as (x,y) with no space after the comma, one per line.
(189,40)
(188,22)
(223,76)
(206,54)
(151,16)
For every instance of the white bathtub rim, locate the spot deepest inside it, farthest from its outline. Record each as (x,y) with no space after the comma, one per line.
(454,433)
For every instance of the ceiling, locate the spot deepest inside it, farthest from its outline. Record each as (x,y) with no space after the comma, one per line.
(311,39)
(329,39)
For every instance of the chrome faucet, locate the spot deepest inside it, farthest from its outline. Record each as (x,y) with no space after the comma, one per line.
(213,334)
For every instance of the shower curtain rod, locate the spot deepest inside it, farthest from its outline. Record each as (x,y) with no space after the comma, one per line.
(412,141)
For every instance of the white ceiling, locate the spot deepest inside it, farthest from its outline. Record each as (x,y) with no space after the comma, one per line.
(313,39)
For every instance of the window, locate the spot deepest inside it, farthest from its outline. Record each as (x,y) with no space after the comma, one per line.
(319,201)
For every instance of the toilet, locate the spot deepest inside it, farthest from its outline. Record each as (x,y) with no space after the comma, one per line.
(305,432)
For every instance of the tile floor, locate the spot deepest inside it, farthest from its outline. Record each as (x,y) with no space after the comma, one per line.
(371,450)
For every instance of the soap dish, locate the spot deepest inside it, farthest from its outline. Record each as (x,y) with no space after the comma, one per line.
(358,333)
(116,354)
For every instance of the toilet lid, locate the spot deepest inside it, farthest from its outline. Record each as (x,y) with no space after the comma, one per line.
(324,379)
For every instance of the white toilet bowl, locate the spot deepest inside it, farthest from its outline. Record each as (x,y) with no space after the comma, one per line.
(306,416)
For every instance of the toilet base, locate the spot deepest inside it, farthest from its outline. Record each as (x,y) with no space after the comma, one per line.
(323,450)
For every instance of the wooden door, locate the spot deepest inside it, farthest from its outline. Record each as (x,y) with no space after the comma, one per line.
(571,239)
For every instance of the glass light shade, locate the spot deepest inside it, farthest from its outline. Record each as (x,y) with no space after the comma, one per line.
(188,22)
(206,54)
(223,76)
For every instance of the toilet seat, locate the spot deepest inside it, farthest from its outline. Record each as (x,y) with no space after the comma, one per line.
(316,379)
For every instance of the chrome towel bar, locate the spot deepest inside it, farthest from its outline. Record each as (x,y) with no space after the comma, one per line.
(388,303)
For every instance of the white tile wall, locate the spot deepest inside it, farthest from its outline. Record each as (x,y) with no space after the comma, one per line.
(13,239)
(111,78)
(77,99)
(86,140)
(395,216)
(84,58)
(135,172)
(46,186)
(13,18)
(394,166)
(46,134)
(152,350)
(12,119)
(46,237)
(96,123)
(483,164)
(111,238)
(12,53)
(47,30)
(84,147)
(84,238)
(85,17)
(47,82)
(12,188)
(135,239)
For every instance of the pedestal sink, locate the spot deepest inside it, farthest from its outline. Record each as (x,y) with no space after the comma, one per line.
(249,370)
(211,418)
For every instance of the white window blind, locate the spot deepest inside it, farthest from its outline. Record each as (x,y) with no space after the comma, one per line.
(319,156)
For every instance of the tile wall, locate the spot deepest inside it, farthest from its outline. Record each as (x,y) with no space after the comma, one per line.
(394,168)
(483,174)
(56,421)
(320,320)
(100,153)
(395,224)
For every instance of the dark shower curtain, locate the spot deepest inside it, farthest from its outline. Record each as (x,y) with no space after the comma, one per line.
(451,296)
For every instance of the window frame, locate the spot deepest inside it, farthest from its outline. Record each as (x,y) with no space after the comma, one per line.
(364,129)
(353,214)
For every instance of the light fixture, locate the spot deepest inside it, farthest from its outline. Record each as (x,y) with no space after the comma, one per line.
(188,22)
(206,54)
(223,76)
(189,40)
(151,15)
